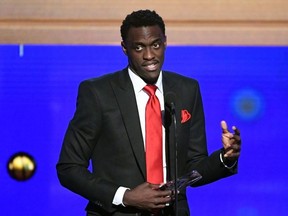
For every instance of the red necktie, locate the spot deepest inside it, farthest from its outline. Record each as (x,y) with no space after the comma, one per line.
(154,164)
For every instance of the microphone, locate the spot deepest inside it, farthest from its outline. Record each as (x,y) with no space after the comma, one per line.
(170,99)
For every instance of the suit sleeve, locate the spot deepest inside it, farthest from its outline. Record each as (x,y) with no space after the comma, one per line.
(209,166)
(79,141)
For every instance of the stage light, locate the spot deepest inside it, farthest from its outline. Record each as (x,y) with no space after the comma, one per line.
(248,104)
(21,166)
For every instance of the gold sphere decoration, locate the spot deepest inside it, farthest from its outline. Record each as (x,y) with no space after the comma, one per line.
(21,166)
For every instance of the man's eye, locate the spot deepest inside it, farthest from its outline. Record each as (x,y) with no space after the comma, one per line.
(138,48)
(156,45)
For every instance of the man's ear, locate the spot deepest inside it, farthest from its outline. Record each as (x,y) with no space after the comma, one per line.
(124,49)
(165,42)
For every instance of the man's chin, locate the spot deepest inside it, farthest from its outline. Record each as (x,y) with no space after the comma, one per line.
(150,80)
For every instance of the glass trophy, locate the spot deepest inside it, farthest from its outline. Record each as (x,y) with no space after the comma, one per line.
(182,182)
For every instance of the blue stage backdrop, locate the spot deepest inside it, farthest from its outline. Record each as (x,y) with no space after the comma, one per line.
(246,86)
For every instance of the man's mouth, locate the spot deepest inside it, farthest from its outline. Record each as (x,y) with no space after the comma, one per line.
(151,67)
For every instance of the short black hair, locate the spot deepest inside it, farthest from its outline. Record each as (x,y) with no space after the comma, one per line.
(141,18)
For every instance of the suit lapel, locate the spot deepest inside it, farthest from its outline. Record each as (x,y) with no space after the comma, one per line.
(125,96)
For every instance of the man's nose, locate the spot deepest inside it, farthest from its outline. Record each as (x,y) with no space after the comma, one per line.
(148,54)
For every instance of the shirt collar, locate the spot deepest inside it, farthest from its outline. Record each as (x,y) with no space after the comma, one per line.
(139,84)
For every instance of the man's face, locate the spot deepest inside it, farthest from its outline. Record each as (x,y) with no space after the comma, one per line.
(145,48)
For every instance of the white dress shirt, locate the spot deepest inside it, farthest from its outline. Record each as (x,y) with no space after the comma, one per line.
(141,99)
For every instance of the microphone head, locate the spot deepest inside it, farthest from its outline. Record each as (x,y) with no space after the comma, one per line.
(170,97)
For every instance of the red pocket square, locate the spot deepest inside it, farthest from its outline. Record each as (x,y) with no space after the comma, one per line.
(185,116)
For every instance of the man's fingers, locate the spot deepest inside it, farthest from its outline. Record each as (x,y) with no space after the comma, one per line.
(231,142)
(224,127)
(232,151)
(232,156)
(236,130)
(236,135)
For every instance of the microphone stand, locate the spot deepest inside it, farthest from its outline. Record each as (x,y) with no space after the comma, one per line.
(174,121)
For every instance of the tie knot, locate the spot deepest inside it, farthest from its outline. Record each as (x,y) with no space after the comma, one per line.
(150,89)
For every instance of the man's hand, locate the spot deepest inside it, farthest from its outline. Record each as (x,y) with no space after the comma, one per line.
(231,142)
(147,197)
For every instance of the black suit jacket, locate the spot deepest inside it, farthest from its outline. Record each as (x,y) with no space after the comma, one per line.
(106,130)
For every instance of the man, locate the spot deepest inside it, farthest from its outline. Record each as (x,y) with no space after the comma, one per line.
(110,129)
